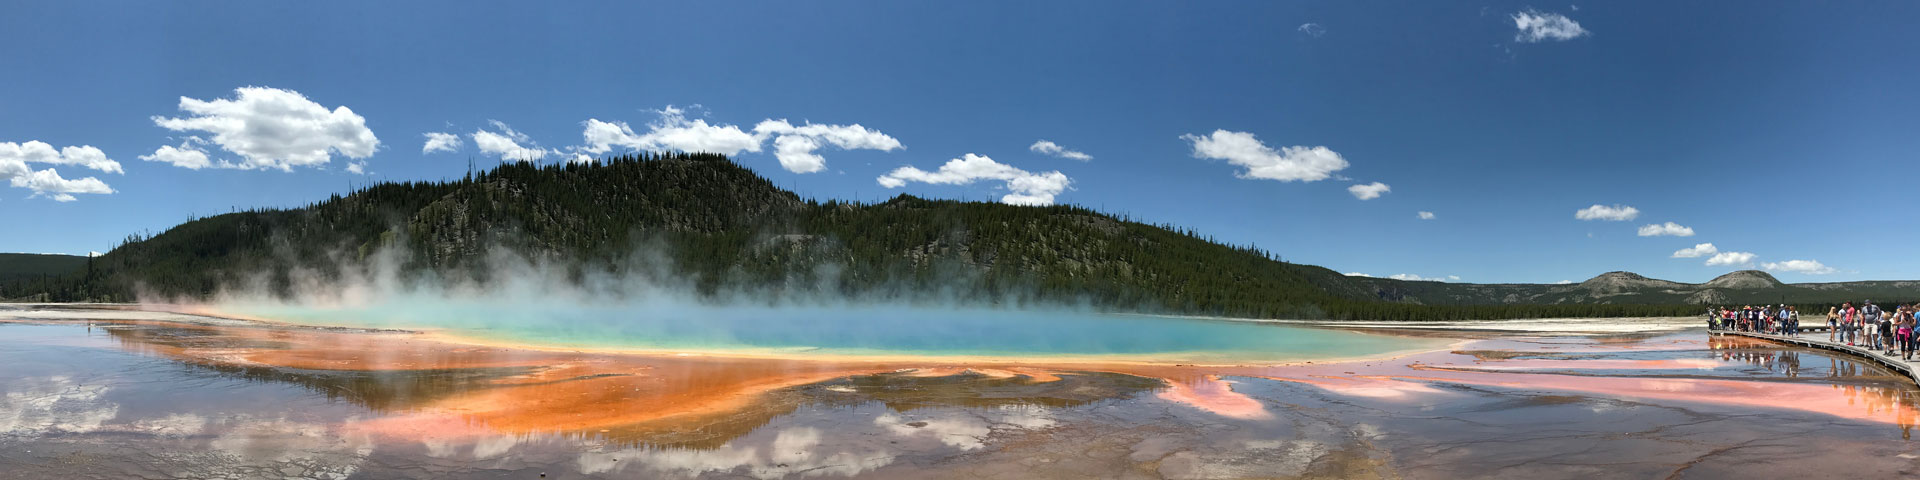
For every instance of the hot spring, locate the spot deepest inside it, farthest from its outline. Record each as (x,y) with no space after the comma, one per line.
(869,330)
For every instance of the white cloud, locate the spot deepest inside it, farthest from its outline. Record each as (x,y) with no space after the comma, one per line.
(1809,267)
(357,168)
(1025,188)
(1563,282)
(1312,29)
(1730,258)
(1616,213)
(1425,215)
(1369,191)
(35,151)
(507,143)
(1536,26)
(440,142)
(793,145)
(274,128)
(672,131)
(1054,149)
(16,157)
(1357,274)
(1416,278)
(1666,229)
(1696,251)
(188,155)
(1296,163)
(49,183)
(185,156)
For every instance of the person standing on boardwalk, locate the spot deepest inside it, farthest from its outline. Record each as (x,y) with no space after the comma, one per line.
(1903,332)
(1886,333)
(1794,312)
(1870,319)
(1833,322)
(1789,320)
(1913,331)
(1846,323)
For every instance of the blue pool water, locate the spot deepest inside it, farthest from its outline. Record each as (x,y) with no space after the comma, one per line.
(857,330)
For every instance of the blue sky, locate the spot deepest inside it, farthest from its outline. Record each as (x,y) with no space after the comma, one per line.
(1783,130)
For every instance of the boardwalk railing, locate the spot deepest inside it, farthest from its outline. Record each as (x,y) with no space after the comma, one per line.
(1892,362)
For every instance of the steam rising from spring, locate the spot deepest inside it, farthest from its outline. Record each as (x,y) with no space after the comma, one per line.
(641,305)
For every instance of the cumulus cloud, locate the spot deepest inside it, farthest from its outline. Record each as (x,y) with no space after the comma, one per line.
(1416,278)
(1696,251)
(16,157)
(508,144)
(1357,274)
(1425,215)
(1296,163)
(440,142)
(672,131)
(1563,282)
(1616,213)
(1536,26)
(35,151)
(50,184)
(189,155)
(794,146)
(1049,148)
(1666,229)
(1369,191)
(184,156)
(1312,29)
(273,128)
(1025,188)
(1809,267)
(1730,258)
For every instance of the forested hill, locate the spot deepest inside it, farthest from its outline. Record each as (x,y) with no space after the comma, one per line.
(28,266)
(703,217)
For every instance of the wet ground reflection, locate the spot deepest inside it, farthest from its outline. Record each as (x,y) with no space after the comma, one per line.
(162,398)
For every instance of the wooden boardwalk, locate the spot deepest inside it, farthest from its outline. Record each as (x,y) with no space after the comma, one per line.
(1891,362)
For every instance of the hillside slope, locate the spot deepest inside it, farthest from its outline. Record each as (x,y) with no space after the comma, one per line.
(705,218)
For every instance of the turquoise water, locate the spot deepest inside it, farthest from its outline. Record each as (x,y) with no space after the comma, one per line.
(858,330)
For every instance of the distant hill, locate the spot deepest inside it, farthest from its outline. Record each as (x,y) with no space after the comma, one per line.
(1735,288)
(705,218)
(23,266)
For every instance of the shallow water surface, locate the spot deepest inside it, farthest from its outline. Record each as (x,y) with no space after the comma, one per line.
(166,398)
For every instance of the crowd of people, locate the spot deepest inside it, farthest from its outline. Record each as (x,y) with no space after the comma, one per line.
(1865,326)
(1783,319)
